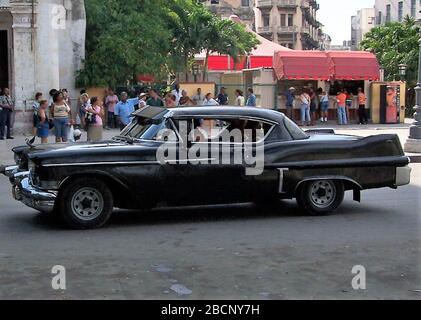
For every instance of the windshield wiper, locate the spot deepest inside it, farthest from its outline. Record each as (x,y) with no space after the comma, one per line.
(129,140)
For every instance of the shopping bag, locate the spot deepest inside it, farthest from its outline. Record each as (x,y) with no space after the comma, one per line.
(72,134)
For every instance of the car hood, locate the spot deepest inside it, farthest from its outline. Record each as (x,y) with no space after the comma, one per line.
(93,152)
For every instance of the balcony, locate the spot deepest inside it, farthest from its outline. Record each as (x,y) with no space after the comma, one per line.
(287,29)
(265,30)
(265,4)
(287,4)
(281,4)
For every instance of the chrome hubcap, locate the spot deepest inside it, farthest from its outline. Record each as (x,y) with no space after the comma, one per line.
(87,204)
(322,194)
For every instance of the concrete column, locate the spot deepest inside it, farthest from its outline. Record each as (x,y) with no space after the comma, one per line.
(47,50)
(24,29)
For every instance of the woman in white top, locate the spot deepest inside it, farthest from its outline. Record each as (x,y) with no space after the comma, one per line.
(240,100)
(209,101)
(62,117)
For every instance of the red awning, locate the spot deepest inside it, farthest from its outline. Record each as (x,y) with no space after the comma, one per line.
(301,65)
(223,63)
(261,62)
(353,65)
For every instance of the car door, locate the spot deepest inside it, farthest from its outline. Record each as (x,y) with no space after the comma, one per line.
(205,171)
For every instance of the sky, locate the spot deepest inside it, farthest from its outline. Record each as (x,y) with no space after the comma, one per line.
(336,17)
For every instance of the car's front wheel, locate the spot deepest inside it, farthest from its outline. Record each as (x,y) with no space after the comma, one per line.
(86,203)
(320,197)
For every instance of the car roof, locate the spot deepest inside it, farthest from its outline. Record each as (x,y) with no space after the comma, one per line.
(228,111)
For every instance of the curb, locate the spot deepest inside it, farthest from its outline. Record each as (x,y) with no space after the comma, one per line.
(415,158)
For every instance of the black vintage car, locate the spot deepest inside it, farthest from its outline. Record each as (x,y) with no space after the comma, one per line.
(173,157)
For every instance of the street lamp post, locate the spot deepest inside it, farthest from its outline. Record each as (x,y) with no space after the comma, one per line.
(413,144)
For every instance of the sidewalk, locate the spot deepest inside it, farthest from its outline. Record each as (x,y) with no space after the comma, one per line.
(402,130)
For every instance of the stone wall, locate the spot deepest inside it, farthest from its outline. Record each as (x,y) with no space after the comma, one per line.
(48,49)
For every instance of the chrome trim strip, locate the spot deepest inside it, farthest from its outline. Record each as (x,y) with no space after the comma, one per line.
(98,163)
(328,178)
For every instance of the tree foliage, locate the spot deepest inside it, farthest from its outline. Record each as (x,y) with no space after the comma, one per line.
(395,43)
(127,38)
(123,39)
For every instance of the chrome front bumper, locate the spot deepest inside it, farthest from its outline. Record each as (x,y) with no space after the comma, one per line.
(9,171)
(34,198)
(25,192)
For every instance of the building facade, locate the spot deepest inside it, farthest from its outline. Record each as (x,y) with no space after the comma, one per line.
(42,45)
(345,46)
(396,10)
(244,9)
(362,23)
(291,23)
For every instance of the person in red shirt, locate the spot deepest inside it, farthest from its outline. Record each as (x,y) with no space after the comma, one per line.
(341,102)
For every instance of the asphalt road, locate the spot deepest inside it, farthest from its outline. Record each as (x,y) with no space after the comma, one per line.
(238,252)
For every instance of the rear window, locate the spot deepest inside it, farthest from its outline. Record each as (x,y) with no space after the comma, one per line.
(294,130)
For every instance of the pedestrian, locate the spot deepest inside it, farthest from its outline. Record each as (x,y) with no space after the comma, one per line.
(142,100)
(341,105)
(314,102)
(35,107)
(348,104)
(154,99)
(7,108)
(210,101)
(362,113)
(240,101)
(61,113)
(324,107)
(185,100)
(251,100)
(222,97)
(124,109)
(305,108)
(110,102)
(85,102)
(170,101)
(290,102)
(177,92)
(95,112)
(66,97)
(198,98)
(50,101)
(43,123)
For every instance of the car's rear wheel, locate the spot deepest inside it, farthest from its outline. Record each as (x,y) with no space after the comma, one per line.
(320,197)
(86,204)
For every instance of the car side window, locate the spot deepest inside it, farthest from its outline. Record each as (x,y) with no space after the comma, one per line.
(223,129)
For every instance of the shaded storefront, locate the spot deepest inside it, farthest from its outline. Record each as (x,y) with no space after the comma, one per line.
(330,71)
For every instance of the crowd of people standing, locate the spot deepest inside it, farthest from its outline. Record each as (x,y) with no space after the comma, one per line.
(94,114)
(314,106)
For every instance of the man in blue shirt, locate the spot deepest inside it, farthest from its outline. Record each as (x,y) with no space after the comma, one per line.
(124,109)
(251,101)
(290,97)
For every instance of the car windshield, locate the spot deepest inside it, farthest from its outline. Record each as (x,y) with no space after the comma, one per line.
(145,129)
